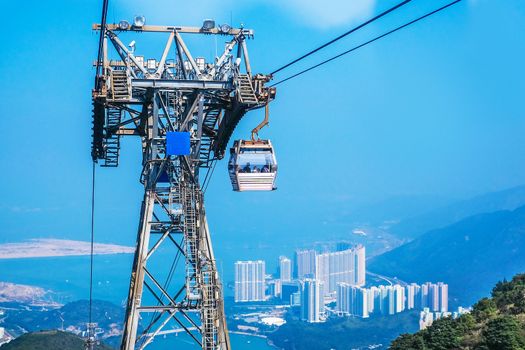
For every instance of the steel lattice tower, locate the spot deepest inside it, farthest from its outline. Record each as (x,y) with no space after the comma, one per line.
(152,98)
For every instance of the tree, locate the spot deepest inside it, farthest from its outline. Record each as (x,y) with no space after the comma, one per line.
(504,333)
(442,335)
(408,342)
(465,323)
(484,309)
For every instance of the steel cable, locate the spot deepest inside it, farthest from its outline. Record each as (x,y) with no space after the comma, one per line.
(368,42)
(342,36)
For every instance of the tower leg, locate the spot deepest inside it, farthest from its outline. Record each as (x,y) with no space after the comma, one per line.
(223,338)
(137,275)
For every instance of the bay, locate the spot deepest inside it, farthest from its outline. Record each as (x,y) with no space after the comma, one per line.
(68,279)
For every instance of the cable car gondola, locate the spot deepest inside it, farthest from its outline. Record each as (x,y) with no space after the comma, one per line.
(252,165)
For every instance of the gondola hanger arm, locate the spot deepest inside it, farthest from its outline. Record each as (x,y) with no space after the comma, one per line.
(255,131)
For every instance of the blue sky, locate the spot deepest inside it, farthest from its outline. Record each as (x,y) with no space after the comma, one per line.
(435,109)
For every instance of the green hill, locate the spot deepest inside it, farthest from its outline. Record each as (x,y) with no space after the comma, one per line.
(48,340)
(470,255)
(496,323)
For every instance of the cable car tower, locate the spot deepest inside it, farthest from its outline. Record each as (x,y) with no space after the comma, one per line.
(184,110)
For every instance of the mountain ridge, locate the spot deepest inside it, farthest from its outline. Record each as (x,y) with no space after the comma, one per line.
(413,227)
(490,247)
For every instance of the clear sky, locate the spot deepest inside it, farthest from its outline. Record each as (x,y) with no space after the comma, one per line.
(436,109)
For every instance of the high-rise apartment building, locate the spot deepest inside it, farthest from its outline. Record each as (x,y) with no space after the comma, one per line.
(361,302)
(383,299)
(443,297)
(374,300)
(304,263)
(412,294)
(274,288)
(391,303)
(433,297)
(399,298)
(288,288)
(352,300)
(312,300)
(343,299)
(426,318)
(285,269)
(295,299)
(249,281)
(346,266)
(360,265)
(423,297)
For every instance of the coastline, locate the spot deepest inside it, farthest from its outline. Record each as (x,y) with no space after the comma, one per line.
(261,336)
(47,248)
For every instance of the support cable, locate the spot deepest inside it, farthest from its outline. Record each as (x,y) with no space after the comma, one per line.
(101,41)
(368,42)
(90,343)
(91,336)
(342,36)
(92,243)
(208,177)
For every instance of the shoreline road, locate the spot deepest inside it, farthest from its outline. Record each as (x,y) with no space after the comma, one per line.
(390,280)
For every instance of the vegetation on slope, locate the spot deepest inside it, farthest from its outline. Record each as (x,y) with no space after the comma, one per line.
(496,323)
(49,340)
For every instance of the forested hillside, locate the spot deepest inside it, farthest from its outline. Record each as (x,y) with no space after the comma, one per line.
(496,323)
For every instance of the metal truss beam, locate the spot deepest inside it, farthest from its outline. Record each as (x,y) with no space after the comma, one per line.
(183,30)
(182,84)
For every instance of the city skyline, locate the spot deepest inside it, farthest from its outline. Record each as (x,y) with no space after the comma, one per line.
(345,268)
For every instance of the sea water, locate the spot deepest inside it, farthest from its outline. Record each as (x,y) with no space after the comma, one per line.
(69,276)
(184,342)
(68,279)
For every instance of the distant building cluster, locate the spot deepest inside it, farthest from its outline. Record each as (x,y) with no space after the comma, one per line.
(307,282)
(346,265)
(427,317)
(315,281)
(390,300)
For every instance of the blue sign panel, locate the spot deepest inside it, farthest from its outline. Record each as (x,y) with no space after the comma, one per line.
(178,143)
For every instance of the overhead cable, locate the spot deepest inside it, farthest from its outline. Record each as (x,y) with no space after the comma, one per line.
(93,173)
(92,250)
(342,36)
(368,42)
(101,41)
